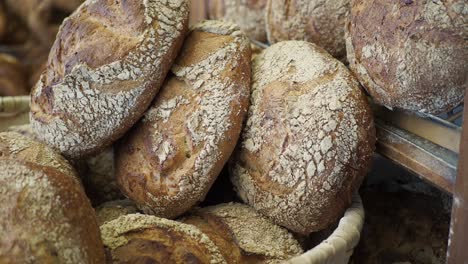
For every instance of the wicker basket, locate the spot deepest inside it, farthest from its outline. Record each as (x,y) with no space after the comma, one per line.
(336,249)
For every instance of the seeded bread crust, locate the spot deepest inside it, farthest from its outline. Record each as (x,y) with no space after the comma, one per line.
(46,217)
(243,235)
(137,238)
(169,161)
(318,21)
(410,54)
(105,67)
(248,14)
(109,211)
(308,140)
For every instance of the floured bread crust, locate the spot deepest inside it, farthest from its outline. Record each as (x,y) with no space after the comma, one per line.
(106,65)
(243,235)
(137,238)
(168,162)
(318,21)
(308,140)
(46,217)
(410,54)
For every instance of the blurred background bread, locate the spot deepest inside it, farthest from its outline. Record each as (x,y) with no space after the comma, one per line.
(248,14)
(13,81)
(88,97)
(318,21)
(243,235)
(410,54)
(137,238)
(45,217)
(170,159)
(308,141)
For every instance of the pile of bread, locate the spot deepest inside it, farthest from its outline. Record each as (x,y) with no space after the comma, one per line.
(132,103)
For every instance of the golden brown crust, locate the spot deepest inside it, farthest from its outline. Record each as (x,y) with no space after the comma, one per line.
(243,235)
(109,211)
(46,217)
(88,97)
(168,162)
(318,21)
(248,14)
(137,238)
(308,140)
(16,146)
(13,81)
(410,54)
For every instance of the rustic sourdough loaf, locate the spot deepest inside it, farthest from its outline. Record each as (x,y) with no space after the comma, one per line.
(45,217)
(243,235)
(105,67)
(318,21)
(248,14)
(308,140)
(137,238)
(168,162)
(410,54)
(109,211)
(13,81)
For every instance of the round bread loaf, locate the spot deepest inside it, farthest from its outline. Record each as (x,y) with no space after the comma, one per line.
(13,81)
(308,140)
(410,54)
(318,21)
(248,14)
(45,217)
(109,211)
(25,130)
(243,235)
(137,238)
(169,161)
(105,67)
(16,146)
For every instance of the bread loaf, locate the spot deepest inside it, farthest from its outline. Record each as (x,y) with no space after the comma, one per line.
(410,54)
(105,67)
(308,140)
(243,235)
(13,81)
(318,21)
(248,14)
(109,211)
(137,238)
(169,161)
(45,217)
(20,147)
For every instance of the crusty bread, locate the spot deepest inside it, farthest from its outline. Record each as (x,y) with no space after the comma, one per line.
(45,217)
(106,65)
(410,54)
(318,21)
(248,14)
(13,81)
(243,235)
(308,140)
(109,211)
(137,238)
(168,162)
(16,146)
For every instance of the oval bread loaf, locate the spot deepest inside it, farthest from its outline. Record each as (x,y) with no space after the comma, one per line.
(243,235)
(169,161)
(105,67)
(137,238)
(248,14)
(410,54)
(45,217)
(308,140)
(318,21)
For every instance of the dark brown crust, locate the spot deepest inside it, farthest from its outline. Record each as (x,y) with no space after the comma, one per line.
(157,163)
(88,97)
(410,54)
(27,221)
(13,81)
